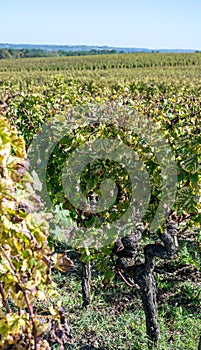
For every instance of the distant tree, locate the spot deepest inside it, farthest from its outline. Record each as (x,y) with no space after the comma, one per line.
(4,53)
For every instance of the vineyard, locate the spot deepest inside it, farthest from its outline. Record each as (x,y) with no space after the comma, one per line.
(87,292)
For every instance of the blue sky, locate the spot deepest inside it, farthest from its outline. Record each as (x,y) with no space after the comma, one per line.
(129,23)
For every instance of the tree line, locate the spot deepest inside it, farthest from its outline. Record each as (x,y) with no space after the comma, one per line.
(30,53)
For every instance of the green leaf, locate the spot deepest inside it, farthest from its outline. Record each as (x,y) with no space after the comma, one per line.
(187,200)
(191,164)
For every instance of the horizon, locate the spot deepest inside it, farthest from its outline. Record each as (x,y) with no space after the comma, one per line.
(96,45)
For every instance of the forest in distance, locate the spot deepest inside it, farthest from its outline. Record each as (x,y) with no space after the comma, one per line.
(30,53)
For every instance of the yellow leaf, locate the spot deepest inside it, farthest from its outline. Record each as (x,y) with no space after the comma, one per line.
(19,146)
(18,299)
(63,263)
(40,295)
(53,311)
(43,329)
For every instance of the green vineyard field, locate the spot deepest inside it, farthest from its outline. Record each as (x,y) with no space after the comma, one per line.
(162,88)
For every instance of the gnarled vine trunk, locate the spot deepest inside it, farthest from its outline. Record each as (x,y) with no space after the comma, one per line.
(146,282)
(125,249)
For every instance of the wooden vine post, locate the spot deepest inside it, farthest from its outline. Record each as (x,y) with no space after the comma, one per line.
(86,280)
